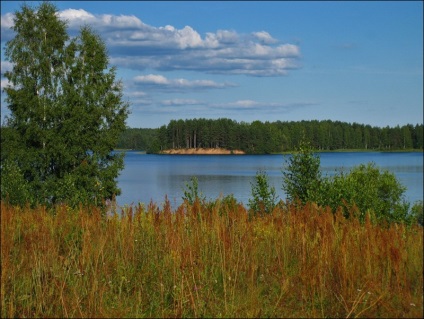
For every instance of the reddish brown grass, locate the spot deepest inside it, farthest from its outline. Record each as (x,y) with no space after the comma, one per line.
(206,260)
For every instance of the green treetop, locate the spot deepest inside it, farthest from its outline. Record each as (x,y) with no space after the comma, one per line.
(67,113)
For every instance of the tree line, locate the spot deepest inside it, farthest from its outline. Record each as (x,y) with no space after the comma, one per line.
(271,137)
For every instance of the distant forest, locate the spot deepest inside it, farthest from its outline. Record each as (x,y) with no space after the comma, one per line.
(271,137)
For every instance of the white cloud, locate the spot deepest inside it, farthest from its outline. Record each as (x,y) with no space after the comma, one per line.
(161,82)
(187,38)
(181,102)
(226,36)
(78,17)
(135,45)
(264,37)
(288,50)
(152,79)
(245,104)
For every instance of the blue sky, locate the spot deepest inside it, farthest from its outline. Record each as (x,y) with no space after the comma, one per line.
(290,61)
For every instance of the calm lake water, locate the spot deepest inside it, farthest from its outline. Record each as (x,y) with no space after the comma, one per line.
(150,177)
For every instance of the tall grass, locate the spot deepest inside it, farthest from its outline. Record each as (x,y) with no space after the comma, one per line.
(206,260)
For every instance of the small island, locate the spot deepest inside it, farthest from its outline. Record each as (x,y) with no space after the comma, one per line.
(201,151)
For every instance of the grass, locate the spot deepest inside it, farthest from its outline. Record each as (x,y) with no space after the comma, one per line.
(206,260)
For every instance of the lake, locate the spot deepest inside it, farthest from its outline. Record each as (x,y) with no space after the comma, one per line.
(150,177)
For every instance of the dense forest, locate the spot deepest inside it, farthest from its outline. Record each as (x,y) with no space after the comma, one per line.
(271,137)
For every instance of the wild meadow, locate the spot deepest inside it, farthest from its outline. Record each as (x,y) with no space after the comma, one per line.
(207,259)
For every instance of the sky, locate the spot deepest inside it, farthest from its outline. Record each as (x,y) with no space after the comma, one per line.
(353,61)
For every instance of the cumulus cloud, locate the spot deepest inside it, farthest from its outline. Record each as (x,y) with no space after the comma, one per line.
(136,45)
(253,59)
(78,17)
(264,37)
(157,81)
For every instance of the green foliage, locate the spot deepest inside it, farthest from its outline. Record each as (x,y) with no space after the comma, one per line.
(143,139)
(66,112)
(264,197)
(191,191)
(417,213)
(365,189)
(302,176)
(369,189)
(14,187)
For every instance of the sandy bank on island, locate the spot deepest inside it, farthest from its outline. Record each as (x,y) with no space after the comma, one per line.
(202,151)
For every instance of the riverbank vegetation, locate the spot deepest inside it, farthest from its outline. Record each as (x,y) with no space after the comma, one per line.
(272,137)
(340,247)
(207,259)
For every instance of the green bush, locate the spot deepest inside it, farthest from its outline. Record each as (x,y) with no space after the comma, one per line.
(263,195)
(365,189)
(370,190)
(14,187)
(302,176)
(417,213)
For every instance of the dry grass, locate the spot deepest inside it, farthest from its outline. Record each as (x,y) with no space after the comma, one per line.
(206,260)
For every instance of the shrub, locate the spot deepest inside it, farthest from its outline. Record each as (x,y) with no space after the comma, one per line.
(302,176)
(264,196)
(14,187)
(365,189)
(369,189)
(417,212)
(191,192)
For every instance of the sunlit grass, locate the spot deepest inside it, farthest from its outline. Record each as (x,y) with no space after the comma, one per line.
(206,260)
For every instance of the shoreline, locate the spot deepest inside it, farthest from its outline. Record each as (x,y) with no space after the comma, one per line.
(222,151)
(201,151)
